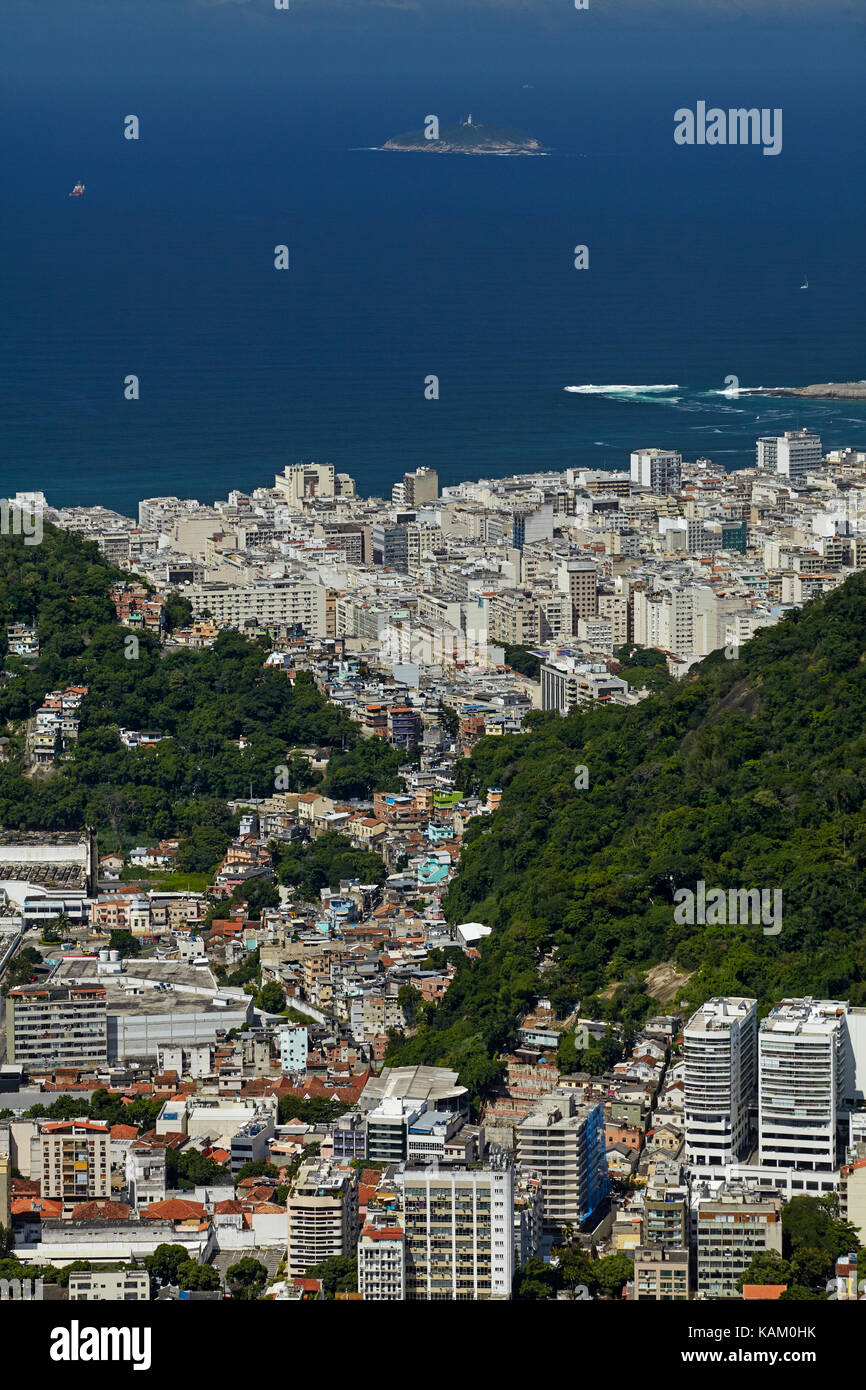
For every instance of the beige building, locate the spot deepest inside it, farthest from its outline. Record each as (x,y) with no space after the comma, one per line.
(50,1026)
(322,1215)
(458,1233)
(732,1227)
(74,1160)
(579,579)
(660,1274)
(852,1192)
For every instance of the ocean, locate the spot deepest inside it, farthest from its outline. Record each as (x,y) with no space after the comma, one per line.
(407,266)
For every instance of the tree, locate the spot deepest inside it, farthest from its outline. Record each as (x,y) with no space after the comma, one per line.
(576,1268)
(247,1278)
(339,1274)
(271,998)
(164,1263)
(613,1273)
(408,997)
(191,1275)
(257,1168)
(535,1281)
(7,1241)
(125,943)
(766,1267)
(811,1267)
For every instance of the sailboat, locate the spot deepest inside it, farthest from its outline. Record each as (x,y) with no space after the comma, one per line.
(77,191)
(805,284)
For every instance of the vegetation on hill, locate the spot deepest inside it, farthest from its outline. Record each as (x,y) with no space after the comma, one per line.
(202,701)
(750,775)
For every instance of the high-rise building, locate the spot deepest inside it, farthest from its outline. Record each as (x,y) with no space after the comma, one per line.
(420,487)
(74,1159)
(293,1040)
(381,1264)
(720,1042)
(732,1227)
(661,470)
(792,454)
(50,1026)
(661,1273)
(803,1082)
(303,482)
(666,1217)
(532,524)
(579,579)
(391,546)
(322,1212)
(458,1227)
(563,1142)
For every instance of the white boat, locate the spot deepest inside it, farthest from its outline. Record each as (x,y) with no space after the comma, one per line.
(805,284)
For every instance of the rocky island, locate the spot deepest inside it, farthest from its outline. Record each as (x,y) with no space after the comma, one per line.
(826,391)
(467,137)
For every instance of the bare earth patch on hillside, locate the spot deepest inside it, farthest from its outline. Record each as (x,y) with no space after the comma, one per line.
(663,981)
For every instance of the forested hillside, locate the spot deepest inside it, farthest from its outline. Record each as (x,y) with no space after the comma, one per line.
(749,776)
(202,701)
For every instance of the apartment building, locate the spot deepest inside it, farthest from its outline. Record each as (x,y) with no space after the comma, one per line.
(458,1233)
(665,1223)
(381,1263)
(293,1044)
(852,1190)
(294,602)
(661,1273)
(301,483)
(73,1158)
(567,683)
(732,1227)
(145,1174)
(50,1026)
(660,470)
(579,579)
(720,1046)
(563,1142)
(803,1080)
(792,454)
(109,1286)
(322,1212)
(420,487)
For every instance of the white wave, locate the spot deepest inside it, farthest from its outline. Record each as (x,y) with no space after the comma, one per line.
(617,390)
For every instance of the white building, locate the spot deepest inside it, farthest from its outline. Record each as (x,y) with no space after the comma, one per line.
(804,1077)
(294,1042)
(660,470)
(793,454)
(720,1042)
(381,1267)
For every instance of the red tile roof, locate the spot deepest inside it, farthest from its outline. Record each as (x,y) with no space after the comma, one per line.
(101,1209)
(174,1209)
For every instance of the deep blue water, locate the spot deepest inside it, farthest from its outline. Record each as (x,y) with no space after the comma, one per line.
(407,265)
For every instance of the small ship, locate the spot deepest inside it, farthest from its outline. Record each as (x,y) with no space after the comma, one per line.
(78,191)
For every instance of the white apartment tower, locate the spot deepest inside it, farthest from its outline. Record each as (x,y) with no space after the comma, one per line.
(803,1082)
(661,470)
(720,1080)
(381,1267)
(792,454)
